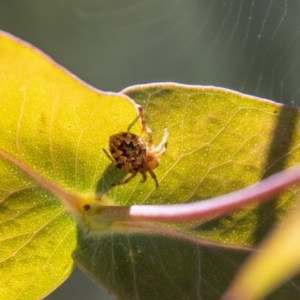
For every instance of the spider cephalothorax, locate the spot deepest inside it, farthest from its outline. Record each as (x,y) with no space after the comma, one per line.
(134,154)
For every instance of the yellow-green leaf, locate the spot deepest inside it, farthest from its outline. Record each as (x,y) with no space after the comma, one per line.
(219,141)
(277,261)
(53,129)
(55,126)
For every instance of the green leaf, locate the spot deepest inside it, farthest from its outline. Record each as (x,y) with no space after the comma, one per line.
(220,141)
(53,129)
(149,265)
(277,260)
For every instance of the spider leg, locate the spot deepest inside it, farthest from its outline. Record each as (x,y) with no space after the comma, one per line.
(160,153)
(162,147)
(150,138)
(153,176)
(126,180)
(163,143)
(145,129)
(144,177)
(109,156)
(142,120)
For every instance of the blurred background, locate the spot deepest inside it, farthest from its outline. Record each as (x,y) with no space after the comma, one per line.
(250,46)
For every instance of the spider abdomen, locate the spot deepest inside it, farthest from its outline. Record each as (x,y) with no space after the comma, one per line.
(129,151)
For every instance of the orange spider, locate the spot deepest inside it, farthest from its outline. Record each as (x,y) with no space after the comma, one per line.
(131,153)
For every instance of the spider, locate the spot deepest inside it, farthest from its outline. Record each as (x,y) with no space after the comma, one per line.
(134,154)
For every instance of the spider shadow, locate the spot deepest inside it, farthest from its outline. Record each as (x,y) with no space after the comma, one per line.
(109,176)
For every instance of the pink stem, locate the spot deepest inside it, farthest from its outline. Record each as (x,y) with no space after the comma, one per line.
(260,191)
